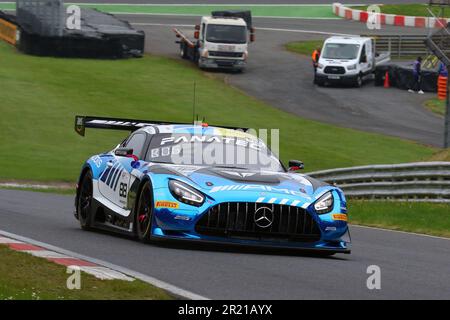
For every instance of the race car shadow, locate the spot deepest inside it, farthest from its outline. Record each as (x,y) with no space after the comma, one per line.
(227,247)
(234,248)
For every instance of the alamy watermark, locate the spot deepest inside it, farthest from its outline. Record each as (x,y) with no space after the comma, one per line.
(219,147)
(74,280)
(374,17)
(73,21)
(373,282)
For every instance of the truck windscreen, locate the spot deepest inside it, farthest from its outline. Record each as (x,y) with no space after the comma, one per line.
(226,34)
(340,51)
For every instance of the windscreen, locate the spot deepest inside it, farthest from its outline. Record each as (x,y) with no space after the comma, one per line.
(226,34)
(343,51)
(212,150)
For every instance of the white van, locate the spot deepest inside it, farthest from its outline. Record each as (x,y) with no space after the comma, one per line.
(348,60)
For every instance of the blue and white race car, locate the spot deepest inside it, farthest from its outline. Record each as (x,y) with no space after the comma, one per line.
(160,183)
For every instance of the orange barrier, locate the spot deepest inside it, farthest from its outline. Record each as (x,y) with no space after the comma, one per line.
(8,31)
(442,87)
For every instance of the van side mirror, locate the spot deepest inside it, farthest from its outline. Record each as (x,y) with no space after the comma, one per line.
(295,165)
(252,35)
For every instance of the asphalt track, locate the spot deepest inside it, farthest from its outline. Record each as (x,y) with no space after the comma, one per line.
(284,79)
(412,266)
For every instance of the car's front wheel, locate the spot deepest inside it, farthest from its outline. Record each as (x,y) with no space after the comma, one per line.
(84,205)
(144,213)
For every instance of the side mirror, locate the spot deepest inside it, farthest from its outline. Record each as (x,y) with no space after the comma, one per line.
(123,152)
(252,35)
(197,27)
(295,165)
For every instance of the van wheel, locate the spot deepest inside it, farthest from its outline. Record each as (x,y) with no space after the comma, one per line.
(359,81)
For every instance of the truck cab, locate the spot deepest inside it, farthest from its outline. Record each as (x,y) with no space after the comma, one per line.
(222,43)
(346,60)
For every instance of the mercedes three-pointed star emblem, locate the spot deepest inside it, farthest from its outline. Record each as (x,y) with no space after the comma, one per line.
(263,217)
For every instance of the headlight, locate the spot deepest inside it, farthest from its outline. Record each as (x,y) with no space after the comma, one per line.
(352,67)
(320,66)
(186,193)
(325,203)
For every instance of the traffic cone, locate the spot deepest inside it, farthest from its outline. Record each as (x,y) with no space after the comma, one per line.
(386,80)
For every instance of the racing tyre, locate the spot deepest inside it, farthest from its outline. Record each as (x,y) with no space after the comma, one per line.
(144,213)
(84,205)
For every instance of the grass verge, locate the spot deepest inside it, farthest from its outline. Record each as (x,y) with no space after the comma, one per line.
(304,47)
(426,218)
(417,9)
(41,96)
(437,106)
(24,277)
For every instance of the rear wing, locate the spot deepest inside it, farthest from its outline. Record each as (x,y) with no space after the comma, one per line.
(83,122)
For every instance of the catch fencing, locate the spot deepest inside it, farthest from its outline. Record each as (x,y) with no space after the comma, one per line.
(408,45)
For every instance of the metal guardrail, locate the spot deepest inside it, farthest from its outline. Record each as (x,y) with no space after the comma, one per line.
(407,45)
(419,181)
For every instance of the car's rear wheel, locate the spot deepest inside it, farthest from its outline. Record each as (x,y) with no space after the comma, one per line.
(144,213)
(84,206)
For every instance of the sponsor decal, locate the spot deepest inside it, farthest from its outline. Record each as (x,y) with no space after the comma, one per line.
(167,204)
(97,160)
(239,174)
(253,187)
(340,217)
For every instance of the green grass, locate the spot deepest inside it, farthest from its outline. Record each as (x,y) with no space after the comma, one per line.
(24,277)
(290,11)
(41,96)
(408,10)
(443,155)
(437,106)
(304,47)
(426,218)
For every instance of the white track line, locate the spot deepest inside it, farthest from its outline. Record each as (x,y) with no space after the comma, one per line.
(399,231)
(258,28)
(153,281)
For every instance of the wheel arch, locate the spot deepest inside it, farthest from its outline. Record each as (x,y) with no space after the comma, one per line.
(85,169)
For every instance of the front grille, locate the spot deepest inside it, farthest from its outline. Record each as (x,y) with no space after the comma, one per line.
(226,54)
(237,220)
(334,70)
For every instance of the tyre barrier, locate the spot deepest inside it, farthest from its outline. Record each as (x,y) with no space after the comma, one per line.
(401,76)
(101,35)
(416,182)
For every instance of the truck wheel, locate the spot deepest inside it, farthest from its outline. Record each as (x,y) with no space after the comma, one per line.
(183,51)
